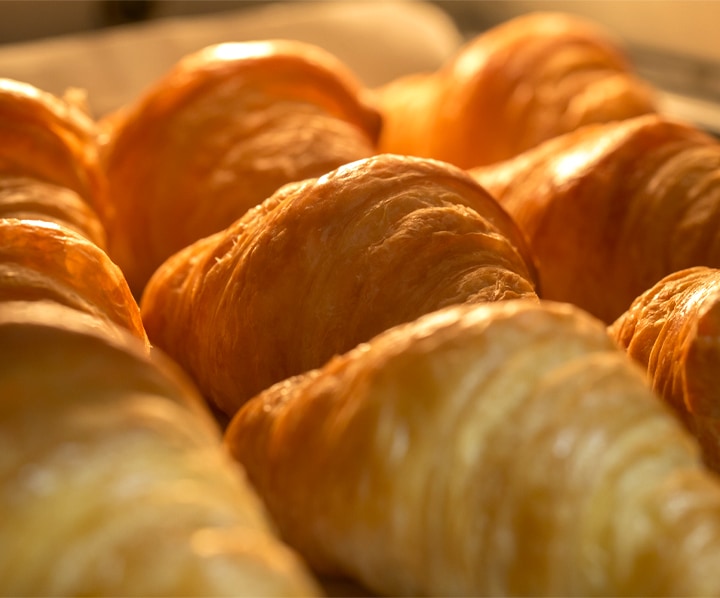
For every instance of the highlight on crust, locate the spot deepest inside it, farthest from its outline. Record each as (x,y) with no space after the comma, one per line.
(325,264)
(264,329)
(220,132)
(511,87)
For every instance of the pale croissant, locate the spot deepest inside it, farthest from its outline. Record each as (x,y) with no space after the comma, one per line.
(114,480)
(325,264)
(612,208)
(673,331)
(218,134)
(500,449)
(511,87)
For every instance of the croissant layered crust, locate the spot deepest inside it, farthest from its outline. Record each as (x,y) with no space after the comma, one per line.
(30,199)
(673,331)
(265,331)
(223,130)
(614,208)
(503,448)
(113,477)
(45,261)
(327,263)
(510,88)
(48,139)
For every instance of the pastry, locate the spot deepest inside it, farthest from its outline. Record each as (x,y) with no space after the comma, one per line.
(48,161)
(500,449)
(613,208)
(673,331)
(217,135)
(26,198)
(511,87)
(325,264)
(114,479)
(48,139)
(41,260)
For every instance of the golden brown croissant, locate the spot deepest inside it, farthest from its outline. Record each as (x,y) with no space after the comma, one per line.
(511,87)
(673,331)
(30,199)
(114,479)
(217,135)
(45,261)
(613,208)
(48,139)
(504,448)
(327,263)
(48,161)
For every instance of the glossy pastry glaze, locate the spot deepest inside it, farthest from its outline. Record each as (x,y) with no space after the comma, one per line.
(114,482)
(614,208)
(673,331)
(50,140)
(217,135)
(45,261)
(511,87)
(325,264)
(506,448)
(25,198)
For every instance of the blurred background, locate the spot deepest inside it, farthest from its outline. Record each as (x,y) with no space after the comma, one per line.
(688,27)
(23,20)
(674,43)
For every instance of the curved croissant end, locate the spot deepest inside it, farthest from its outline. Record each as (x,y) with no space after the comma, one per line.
(510,88)
(673,331)
(611,209)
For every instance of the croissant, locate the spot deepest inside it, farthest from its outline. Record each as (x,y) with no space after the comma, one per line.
(673,331)
(49,166)
(325,264)
(42,260)
(114,479)
(225,128)
(504,448)
(614,208)
(510,88)
(29,199)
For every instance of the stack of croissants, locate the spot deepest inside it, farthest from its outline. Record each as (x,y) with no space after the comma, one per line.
(267,331)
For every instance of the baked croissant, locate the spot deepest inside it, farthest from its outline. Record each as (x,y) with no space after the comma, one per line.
(327,263)
(511,87)
(220,133)
(48,139)
(504,448)
(48,161)
(114,479)
(45,261)
(673,331)
(614,208)
(29,199)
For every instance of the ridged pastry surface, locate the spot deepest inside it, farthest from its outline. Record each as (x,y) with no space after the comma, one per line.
(218,134)
(325,264)
(42,260)
(506,448)
(31,199)
(511,87)
(673,331)
(613,208)
(114,482)
(48,139)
